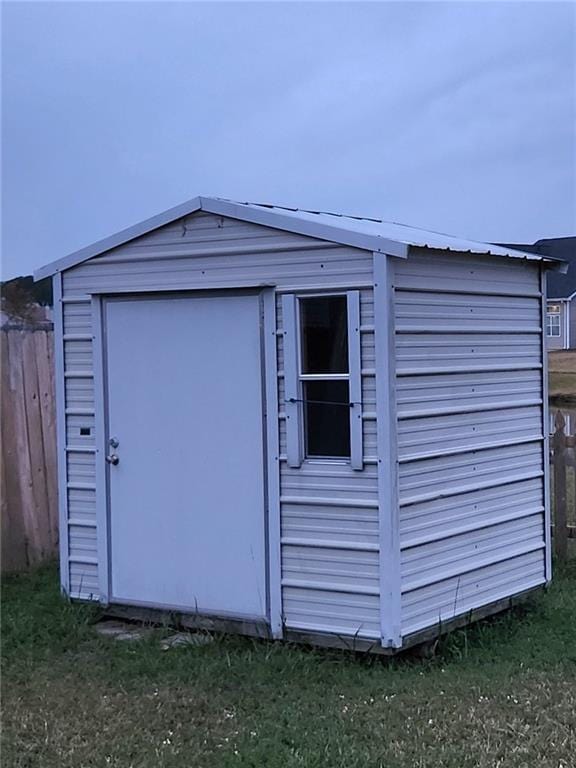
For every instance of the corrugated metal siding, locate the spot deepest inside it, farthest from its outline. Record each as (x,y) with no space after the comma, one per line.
(329,511)
(83,578)
(469,394)
(80,447)
(206,250)
(330,533)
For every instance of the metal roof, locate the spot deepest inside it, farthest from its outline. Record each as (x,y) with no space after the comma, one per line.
(558,286)
(367,233)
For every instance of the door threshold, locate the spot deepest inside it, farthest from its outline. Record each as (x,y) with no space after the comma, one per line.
(178,617)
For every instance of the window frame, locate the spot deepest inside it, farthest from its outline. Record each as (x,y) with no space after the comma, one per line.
(554,320)
(293,415)
(304,377)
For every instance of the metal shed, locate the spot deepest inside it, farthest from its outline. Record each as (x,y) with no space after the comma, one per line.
(301,425)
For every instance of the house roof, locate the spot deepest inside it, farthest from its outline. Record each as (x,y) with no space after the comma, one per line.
(560,285)
(367,233)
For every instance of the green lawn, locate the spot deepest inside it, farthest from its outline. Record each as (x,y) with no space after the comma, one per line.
(562,375)
(502,693)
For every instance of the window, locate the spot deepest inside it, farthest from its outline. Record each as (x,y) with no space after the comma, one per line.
(324,376)
(553,320)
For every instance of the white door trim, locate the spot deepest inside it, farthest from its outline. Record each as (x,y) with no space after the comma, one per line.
(272,460)
(100,439)
(271,489)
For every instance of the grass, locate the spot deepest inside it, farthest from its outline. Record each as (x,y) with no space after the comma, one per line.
(562,375)
(502,693)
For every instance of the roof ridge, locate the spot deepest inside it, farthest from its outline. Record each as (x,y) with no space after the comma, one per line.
(273,206)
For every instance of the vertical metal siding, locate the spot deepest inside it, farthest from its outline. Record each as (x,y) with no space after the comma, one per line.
(329,515)
(470,403)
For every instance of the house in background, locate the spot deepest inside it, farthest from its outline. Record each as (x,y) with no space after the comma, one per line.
(561,294)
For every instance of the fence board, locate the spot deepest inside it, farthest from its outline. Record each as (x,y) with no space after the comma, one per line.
(28,461)
(44,360)
(563,459)
(14,546)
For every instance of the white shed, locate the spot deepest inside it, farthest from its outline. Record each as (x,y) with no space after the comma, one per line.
(301,425)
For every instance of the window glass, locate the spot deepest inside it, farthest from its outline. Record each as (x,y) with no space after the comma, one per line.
(324,329)
(553,324)
(327,418)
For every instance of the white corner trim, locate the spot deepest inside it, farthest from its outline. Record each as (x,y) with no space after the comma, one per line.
(545,433)
(389,523)
(100,429)
(60,391)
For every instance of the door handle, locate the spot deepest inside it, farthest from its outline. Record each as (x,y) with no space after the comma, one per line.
(112,459)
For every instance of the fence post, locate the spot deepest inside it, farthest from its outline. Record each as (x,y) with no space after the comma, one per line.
(560,511)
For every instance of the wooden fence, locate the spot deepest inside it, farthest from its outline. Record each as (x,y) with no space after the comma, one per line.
(28,474)
(563,496)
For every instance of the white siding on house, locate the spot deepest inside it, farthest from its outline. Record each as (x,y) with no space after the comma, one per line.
(469,394)
(561,316)
(329,512)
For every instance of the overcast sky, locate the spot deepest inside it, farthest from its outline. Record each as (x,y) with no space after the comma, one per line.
(456,116)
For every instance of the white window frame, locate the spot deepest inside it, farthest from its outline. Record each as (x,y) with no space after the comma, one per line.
(554,320)
(304,377)
(294,378)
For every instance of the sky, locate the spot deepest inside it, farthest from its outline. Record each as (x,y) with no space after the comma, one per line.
(458,117)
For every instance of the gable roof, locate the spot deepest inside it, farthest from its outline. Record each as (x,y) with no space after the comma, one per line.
(366,233)
(559,285)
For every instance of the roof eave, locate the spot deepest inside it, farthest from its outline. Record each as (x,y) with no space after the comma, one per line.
(267,218)
(233,211)
(556,265)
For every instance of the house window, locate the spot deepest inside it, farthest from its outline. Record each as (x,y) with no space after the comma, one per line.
(324,376)
(553,320)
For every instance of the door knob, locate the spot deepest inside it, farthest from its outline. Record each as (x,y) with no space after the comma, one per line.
(112,459)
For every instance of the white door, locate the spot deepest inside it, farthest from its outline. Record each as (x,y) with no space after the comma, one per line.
(187,513)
